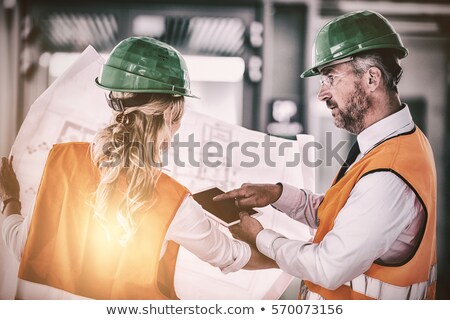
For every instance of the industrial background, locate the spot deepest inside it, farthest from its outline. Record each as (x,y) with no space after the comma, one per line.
(263,46)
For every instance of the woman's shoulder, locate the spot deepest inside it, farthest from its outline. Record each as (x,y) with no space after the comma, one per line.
(71,154)
(71,145)
(167,182)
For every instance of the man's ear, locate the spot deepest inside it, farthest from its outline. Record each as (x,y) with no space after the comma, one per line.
(373,78)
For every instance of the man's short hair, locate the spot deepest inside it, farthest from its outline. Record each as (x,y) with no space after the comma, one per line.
(384,59)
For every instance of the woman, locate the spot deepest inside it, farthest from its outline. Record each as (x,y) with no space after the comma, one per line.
(107,223)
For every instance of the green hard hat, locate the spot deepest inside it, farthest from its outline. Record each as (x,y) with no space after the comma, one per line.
(145,65)
(350,34)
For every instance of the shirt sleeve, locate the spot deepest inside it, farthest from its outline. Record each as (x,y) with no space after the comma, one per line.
(299,204)
(379,208)
(14,234)
(193,230)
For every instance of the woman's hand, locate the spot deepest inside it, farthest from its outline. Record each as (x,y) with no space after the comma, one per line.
(9,186)
(247,229)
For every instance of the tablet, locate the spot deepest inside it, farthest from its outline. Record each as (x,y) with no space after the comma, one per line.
(225,211)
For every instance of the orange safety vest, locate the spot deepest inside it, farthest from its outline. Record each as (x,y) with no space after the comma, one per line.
(67,248)
(409,156)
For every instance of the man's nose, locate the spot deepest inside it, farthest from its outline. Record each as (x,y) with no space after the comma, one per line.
(324,93)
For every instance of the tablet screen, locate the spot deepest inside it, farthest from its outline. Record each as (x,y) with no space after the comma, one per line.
(225,210)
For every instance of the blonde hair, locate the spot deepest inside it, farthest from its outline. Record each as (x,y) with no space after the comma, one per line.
(129,154)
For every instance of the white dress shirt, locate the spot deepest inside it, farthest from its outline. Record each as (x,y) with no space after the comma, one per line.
(190,228)
(380,220)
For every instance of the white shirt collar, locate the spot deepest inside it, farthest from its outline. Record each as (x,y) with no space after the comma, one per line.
(395,124)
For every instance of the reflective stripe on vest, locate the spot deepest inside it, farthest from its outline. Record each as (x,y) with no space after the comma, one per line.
(376,289)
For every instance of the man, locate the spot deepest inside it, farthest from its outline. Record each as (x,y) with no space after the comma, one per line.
(376,225)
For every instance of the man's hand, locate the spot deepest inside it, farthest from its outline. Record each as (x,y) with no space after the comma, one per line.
(9,186)
(247,229)
(253,195)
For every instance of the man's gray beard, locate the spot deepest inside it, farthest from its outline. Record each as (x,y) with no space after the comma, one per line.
(352,119)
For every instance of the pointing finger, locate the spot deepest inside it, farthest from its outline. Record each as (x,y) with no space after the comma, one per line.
(236,193)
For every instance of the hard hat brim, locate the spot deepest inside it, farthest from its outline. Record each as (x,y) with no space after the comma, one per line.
(139,83)
(172,92)
(314,71)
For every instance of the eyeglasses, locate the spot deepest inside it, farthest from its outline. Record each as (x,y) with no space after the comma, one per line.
(328,80)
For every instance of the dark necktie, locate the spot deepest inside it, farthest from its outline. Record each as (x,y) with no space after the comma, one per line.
(353,153)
